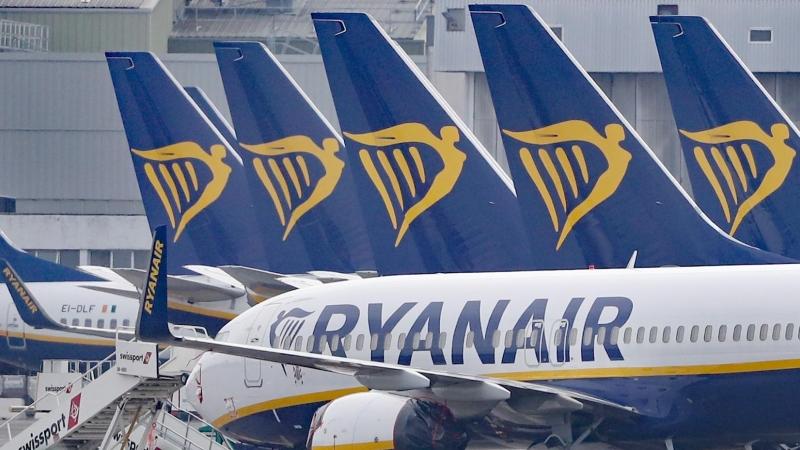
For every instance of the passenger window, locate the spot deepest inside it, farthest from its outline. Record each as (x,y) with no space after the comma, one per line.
(559,337)
(640,335)
(322,342)
(679,334)
(751,332)
(708,333)
(347,341)
(387,341)
(113,324)
(443,340)
(298,344)
(415,341)
(126,322)
(764,332)
(601,335)
(87,322)
(334,343)
(360,342)
(401,341)
(737,333)
(653,334)
(101,323)
(573,336)
(789,331)
(287,344)
(695,333)
(310,344)
(520,339)
(63,321)
(496,339)
(776,332)
(429,340)
(534,338)
(614,336)
(723,333)
(627,338)
(470,339)
(665,334)
(587,336)
(509,338)
(373,342)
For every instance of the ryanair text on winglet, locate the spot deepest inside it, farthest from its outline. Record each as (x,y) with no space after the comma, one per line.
(20,290)
(152,276)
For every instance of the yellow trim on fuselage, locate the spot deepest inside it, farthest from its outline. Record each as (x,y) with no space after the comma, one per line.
(61,339)
(313,397)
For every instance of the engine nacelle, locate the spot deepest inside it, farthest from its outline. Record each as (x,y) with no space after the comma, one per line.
(386,421)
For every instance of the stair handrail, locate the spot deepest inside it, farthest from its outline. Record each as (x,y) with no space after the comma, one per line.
(90,372)
(161,426)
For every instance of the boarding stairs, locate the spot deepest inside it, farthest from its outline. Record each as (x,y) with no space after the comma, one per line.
(109,411)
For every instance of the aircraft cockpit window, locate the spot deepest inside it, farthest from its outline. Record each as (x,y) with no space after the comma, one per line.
(496,339)
(298,344)
(640,335)
(776,332)
(628,333)
(76,322)
(470,339)
(695,333)
(588,334)
(764,332)
(666,334)
(443,340)
(401,341)
(723,333)
(347,340)
(601,335)
(63,321)
(310,344)
(653,335)
(87,323)
(789,331)
(360,342)
(709,331)
(429,340)
(112,324)
(737,333)
(614,336)
(679,334)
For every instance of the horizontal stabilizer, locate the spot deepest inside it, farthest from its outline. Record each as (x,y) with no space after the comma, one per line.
(262,284)
(186,289)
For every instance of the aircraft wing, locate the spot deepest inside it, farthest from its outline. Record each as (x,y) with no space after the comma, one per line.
(32,313)
(152,326)
(186,289)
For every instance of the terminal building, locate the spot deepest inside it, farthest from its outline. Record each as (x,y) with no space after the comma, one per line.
(67,184)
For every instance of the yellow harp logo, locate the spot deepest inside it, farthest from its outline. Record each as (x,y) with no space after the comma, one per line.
(389,157)
(731,164)
(575,132)
(304,193)
(174,166)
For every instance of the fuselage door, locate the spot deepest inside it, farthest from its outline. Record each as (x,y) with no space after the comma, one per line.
(15,329)
(533,343)
(559,342)
(257,336)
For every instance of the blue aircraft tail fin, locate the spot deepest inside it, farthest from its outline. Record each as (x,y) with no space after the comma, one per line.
(297,174)
(590,188)
(740,147)
(189,175)
(212,113)
(435,199)
(151,324)
(33,269)
(30,310)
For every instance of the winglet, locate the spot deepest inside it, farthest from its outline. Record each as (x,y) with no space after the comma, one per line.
(152,323)
(29,309)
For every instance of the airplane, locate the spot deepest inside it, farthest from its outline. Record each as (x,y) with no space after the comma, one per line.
(579,165)
(739,145)
(579,359)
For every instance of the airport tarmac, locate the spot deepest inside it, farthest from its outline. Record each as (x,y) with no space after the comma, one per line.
(5,414)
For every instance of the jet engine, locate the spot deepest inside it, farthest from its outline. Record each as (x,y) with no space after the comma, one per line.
(386,421)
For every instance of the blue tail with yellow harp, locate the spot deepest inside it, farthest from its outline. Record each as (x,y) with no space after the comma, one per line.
(189,175)
(740,147)
(590,188)
(434,199)
(302,188)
